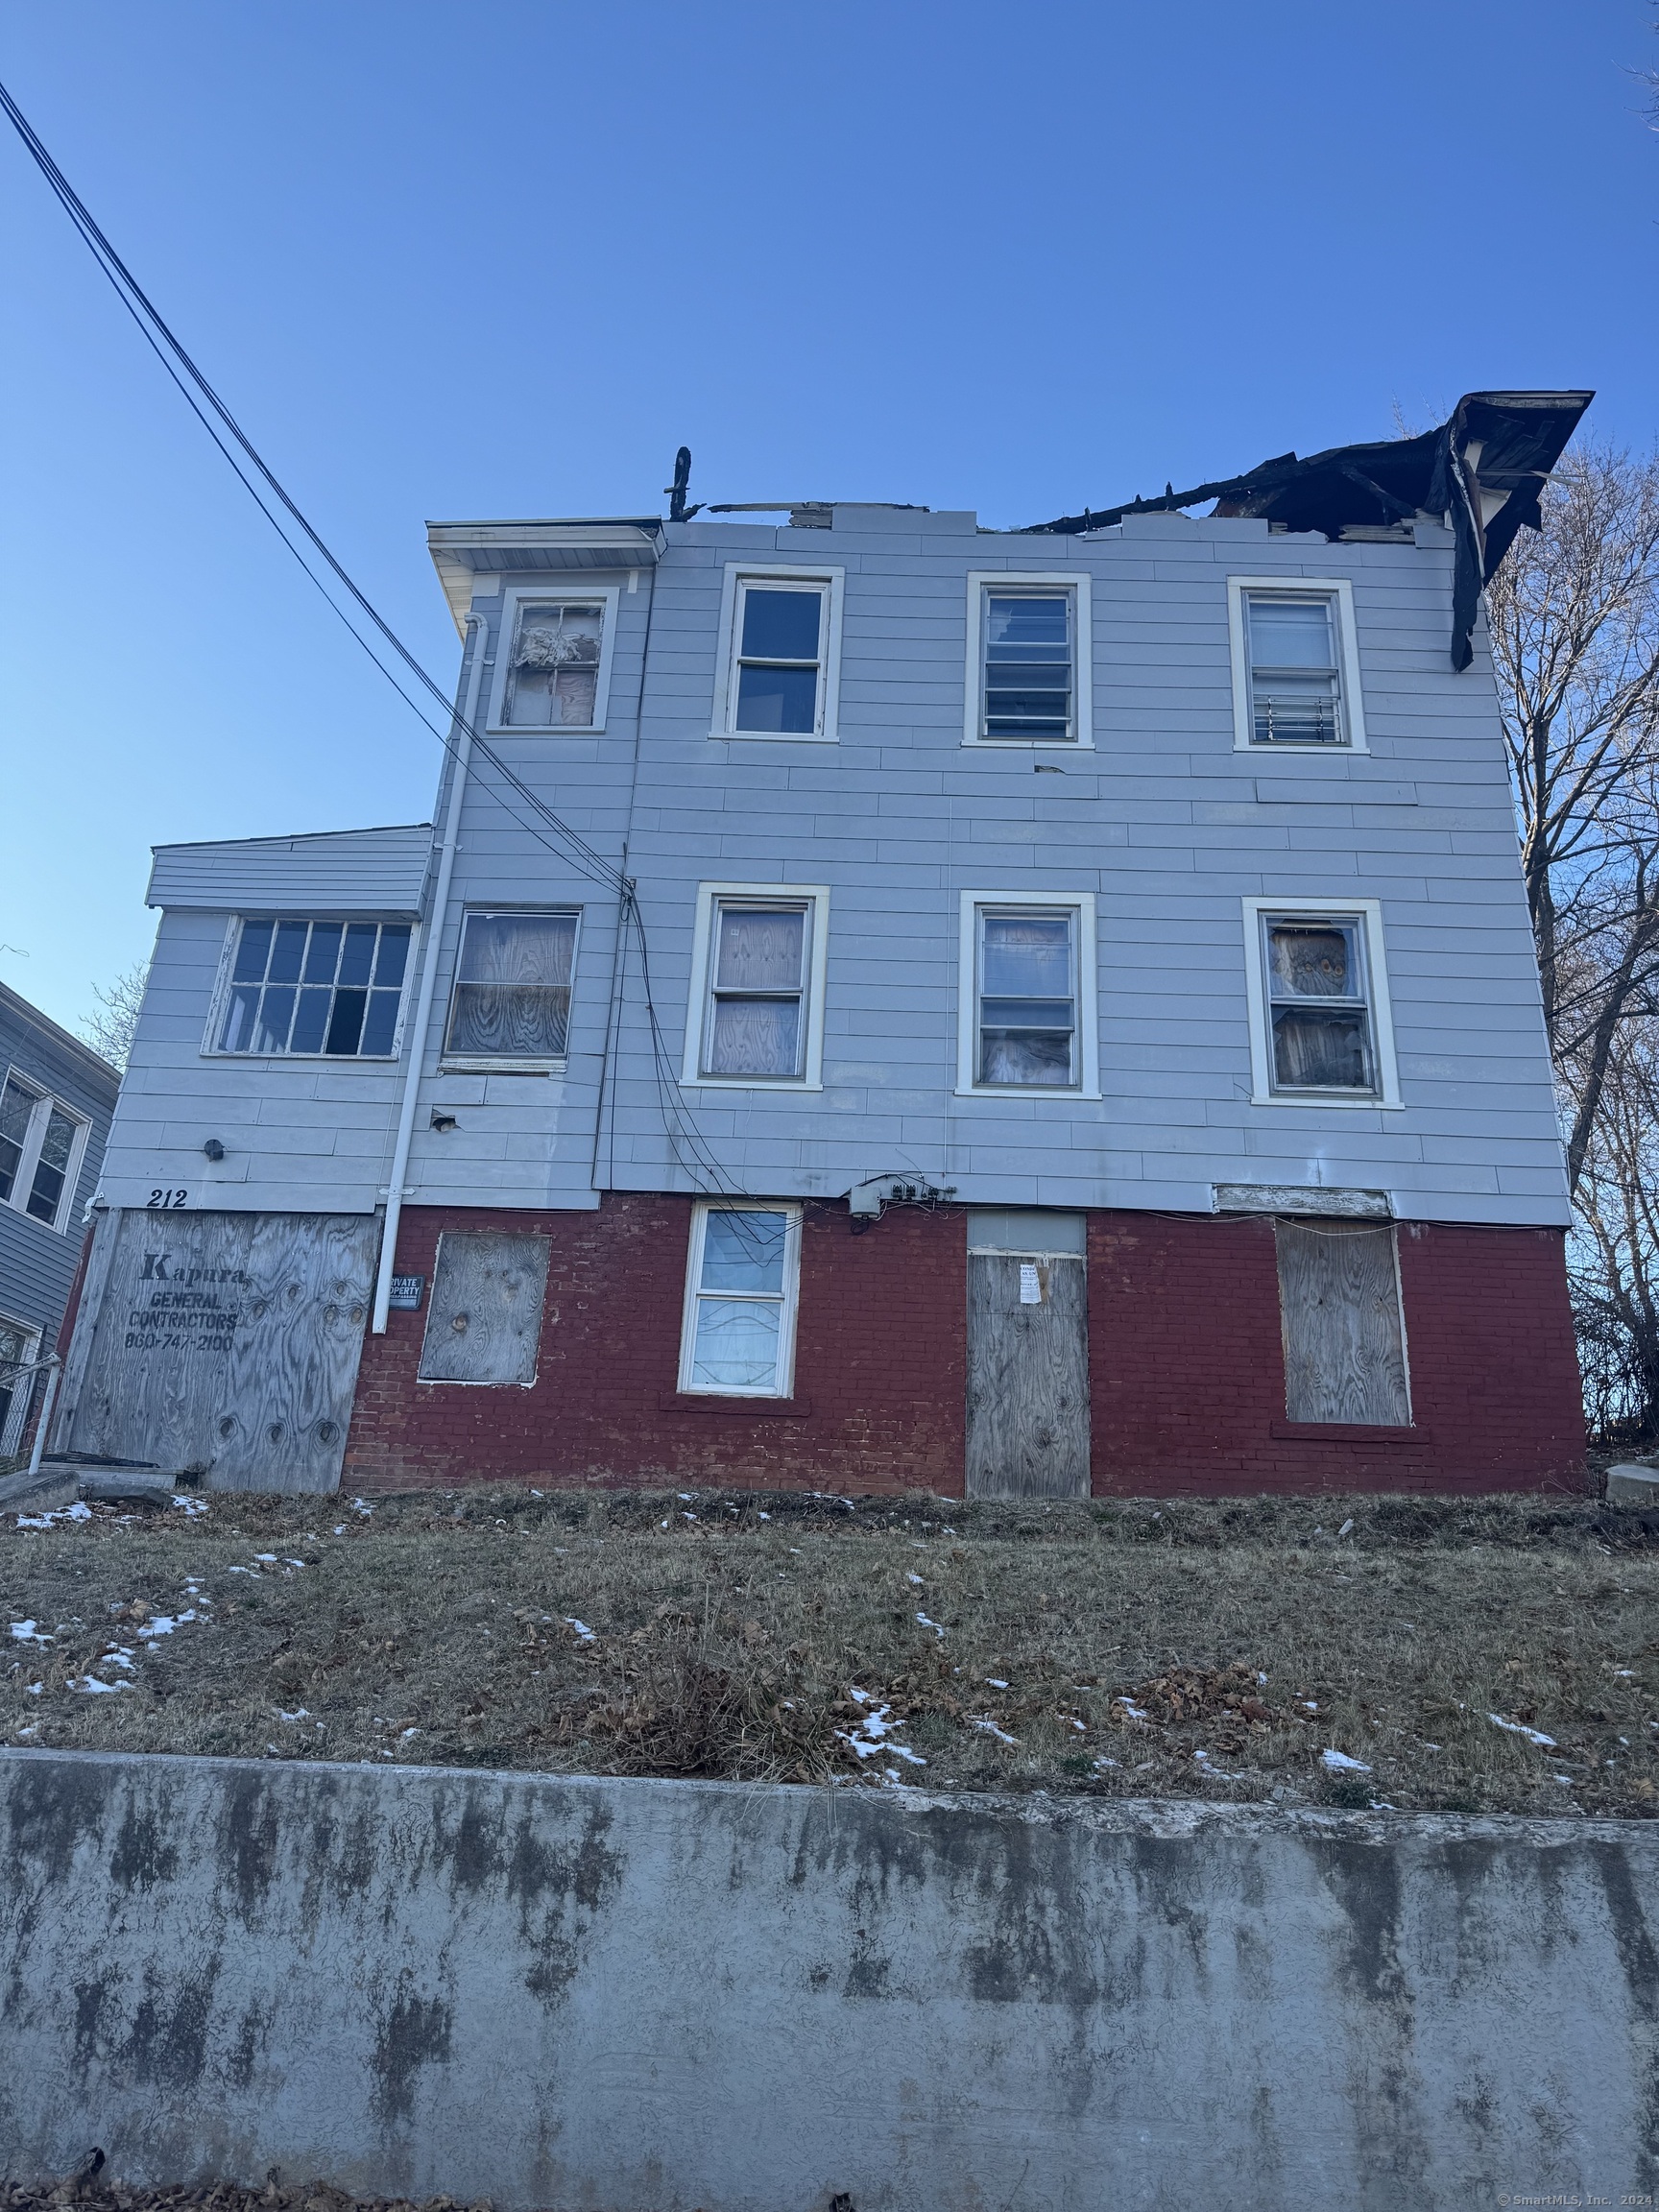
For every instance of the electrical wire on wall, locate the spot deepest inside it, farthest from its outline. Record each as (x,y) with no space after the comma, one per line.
(381,644)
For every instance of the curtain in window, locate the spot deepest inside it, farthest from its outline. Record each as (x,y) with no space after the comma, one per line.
(513,987)
(755,1025)
(1317,1047)
(1028,1017)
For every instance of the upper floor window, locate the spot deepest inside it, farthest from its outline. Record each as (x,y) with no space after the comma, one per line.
(333,989)
(554,672)
(1027,976)
(1028,660)
(1295,664)
(780,654)
(512,999)
(41,1142)
(1321,1015)
(758,967)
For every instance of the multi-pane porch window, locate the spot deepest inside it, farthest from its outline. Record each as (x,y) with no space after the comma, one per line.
(739,1338)
(38,1139)
(513,987)
(553,666)
(1319,1007)
(780,675)
(754,1022)
(1295,685)
(330,988)
(19,1350)
(1028,678)
(1027,998)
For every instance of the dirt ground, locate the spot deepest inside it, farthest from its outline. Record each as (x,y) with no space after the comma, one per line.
(1491,1654)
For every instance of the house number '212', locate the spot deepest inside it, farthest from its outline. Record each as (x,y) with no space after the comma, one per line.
(161,1200)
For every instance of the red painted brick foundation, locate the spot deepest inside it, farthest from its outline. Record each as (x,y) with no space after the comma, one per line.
(1187,1370)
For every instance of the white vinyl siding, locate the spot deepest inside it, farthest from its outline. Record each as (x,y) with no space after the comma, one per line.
(741,1288)
(511,1004)
(41,1142)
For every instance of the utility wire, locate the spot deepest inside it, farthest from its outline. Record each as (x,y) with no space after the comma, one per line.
(701,1168)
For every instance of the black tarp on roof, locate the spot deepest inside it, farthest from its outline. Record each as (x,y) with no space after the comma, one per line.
(1485,466)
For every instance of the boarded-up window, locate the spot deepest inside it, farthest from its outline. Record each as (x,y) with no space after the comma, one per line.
(484,1320)
(1340,1307)
(513,987)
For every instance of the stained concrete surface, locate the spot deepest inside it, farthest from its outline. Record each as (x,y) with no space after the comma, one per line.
(635,1996)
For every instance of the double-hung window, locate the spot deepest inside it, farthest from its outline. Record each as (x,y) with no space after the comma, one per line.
(512,999)
(1027,992)
(333,989)
(553,671)
(738,1338)
(1295,668)
(779,666)
(1028,660)
(40,1146)
(759,965)
(1320,1008)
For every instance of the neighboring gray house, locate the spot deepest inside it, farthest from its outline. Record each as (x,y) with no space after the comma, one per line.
(887,1002)
(55,1099)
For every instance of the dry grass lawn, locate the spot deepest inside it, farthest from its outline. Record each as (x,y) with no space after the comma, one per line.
(1495,1654)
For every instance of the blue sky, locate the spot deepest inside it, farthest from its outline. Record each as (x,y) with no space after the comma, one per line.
(451,262)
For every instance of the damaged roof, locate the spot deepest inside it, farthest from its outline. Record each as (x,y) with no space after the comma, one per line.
(1485,466)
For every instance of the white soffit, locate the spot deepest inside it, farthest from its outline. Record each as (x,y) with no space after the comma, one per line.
(463,550)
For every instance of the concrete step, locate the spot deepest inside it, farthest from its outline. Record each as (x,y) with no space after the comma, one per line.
(1631,1484)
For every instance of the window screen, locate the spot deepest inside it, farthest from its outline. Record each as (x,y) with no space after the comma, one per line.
(330,988)
(755,1021)
(1295,692)
(1319,1005)
(780,658)
(1027,675)
(553,668)
(1027,1016)
(513,987)
(739,1322)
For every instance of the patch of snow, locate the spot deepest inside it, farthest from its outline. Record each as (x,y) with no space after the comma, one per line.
(996,1682)
(583,1631)
(75,1512)
(302,1713)
(1203,1760)
(1345,1528)
(1105,1762)
(1339,1763)
(362,1506)
(765,1516)
(989,1727)
(1624,1674)
(29,1632)
(684,1496)
(341,1529)
(36,1688)
(926,1624)
(266,1558)
(1078,1725)
(917,1579)
(408,1732)
(191,1508)
(92,1683)
(1134,1711)
(32,1729)
(1519,1728)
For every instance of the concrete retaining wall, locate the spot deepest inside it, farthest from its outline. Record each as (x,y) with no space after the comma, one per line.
(637,1996)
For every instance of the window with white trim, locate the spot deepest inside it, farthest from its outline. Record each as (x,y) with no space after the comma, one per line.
(329,990)
(756,1010)
(741,1291)
(1026,1001)
(1295,673)
(41,1141)
(19,1352)
(553,659)
(511,1005)
(1322,1035)
(1028,660)
(776,685)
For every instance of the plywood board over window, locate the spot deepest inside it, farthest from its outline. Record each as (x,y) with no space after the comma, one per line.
(1344,1338)
(1027,1357)
(484,1321)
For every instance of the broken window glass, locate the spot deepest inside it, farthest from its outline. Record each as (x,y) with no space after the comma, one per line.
(1320,1008)
(779,658)
(328,988)
(1295,692)
(1027,999)
(757,991)
(1027,672)
(513,987)
(553,668)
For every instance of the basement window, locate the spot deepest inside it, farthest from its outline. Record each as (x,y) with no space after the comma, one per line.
(1343,1328)
(741,1290)
(329,990)
(41,1142)
(512,1002)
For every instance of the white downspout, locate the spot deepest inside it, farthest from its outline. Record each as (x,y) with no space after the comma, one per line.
(415,1046)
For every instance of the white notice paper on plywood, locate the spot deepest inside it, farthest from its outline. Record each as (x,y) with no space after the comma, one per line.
(1030,1288)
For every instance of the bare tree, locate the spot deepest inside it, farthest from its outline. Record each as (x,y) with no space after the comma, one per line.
(1574,620)
(110,1031)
